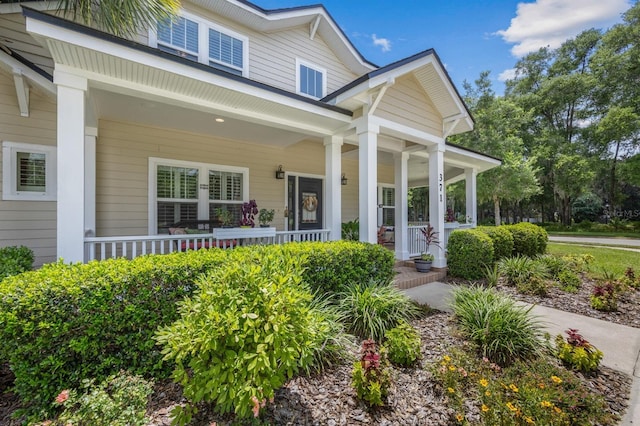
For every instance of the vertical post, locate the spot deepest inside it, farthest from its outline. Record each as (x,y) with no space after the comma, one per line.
(437,201)
(368,181)
(71,166)
(471,192)
(91,133)
(401,214)
(333,182)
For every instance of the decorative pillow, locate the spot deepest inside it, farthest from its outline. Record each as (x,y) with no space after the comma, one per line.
(177,231)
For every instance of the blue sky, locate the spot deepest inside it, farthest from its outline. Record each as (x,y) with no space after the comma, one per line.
(470,36)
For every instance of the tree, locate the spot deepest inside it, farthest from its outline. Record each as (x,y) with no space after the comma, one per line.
(119,17)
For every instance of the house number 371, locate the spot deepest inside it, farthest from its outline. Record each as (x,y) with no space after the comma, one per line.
(440,186)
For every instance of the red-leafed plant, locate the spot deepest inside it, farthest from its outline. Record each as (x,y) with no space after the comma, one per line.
(604,297)
(370,376)
(577,352)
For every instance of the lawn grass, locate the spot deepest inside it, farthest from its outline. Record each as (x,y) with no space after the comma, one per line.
(611,234)
(614,261)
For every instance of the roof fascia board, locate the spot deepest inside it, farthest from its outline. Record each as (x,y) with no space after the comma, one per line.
(456,149)
(167,62)
(13,66)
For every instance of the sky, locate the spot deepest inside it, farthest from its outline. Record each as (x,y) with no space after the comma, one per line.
(470,36)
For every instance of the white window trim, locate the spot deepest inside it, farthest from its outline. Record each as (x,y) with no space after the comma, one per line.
(381,205)
(154,162)
(316,68)
(203,40)
(9,178)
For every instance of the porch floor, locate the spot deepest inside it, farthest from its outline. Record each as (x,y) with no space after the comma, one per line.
(407,276)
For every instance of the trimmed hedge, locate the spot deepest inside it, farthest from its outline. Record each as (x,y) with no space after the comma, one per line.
(502,240)
(65,323)
(469,252)
(528,239)
(15,260)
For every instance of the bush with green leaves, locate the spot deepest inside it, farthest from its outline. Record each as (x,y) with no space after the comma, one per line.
(15,260)
(64,323)
(569,281)
(503,330)
(604,297)
(577,352)
(119,400)
(529,276)
(502,240)
(403,345)
(370,376)
(469,252)
(554,264)
(248,328)
(368,309)
(528,239)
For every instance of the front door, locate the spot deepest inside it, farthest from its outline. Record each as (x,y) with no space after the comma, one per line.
(304,197)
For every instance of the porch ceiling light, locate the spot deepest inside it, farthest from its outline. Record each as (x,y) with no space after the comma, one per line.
(280,172)
(220,120)
(343,180)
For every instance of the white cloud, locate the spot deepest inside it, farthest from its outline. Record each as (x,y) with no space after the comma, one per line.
(551,22)
(508,74)
(384,43)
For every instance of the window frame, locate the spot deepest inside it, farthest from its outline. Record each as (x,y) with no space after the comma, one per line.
(203,41)
(203,200)
(302,62)
(382,207)
(9,172)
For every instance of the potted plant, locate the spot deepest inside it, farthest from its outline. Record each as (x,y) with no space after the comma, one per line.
(249,210)
(265,217)
(225,217)
(423,263)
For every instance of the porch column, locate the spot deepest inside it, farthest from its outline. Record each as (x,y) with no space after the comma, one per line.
(91,133)
(71,166)
(472,199)
(368,182)
(400,161)
(437,201)
(333,175)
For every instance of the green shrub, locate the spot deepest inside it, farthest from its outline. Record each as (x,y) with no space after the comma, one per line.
(245,332)
(371,308)
(577,352)
(503,330)
(502,240)
(469,252)
(119,400)
(554,264)
(535,285)
(370,376)
(604,297)
(331,266)
(15,260)
(528,239)
(403,345)
(64,323)
(569,281)
(520,269)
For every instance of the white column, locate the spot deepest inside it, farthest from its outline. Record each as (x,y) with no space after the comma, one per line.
(437,201)
(368,182)
(333,186)
(400,161)
(91,133)
(71,166)
(472,199)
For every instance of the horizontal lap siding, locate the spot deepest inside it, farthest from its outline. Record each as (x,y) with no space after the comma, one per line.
(29,223)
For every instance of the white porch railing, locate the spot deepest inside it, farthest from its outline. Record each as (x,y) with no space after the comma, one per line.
(417,245)
(100,248)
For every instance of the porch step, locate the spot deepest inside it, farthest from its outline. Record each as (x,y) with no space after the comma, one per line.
(407,276)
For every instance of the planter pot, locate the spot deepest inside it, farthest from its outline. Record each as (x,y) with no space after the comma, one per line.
(265,226)
(422,265)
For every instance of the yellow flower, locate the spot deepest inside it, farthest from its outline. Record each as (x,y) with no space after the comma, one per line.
(484,383)
(452,368)
(529,420)
(487,393)
(546,404)
(513,387)
(484,408)
(450,390)
(459,418)
(541,385)
(557,380)
(557,410)
(511,407)
(446,358)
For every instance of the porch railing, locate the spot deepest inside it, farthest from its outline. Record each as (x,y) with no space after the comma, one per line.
(100,248)
(417,244)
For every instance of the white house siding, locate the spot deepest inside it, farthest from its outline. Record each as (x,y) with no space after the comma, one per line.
(123,151)
(406,103)
(12,28)
(29,223)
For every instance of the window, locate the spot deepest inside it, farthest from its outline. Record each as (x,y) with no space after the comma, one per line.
(312,80)
(387,203)
(202,41)
(184,191)
(28,172)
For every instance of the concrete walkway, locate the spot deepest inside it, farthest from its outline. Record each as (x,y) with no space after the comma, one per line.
(620,344)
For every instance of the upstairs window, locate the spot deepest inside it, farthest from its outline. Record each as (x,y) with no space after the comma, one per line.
(225,52)
(312,80)
(179,36)
(28,172)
